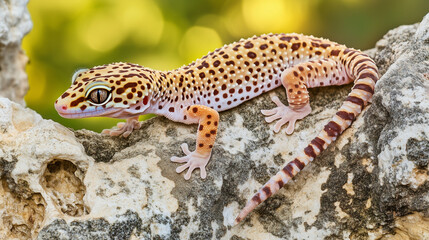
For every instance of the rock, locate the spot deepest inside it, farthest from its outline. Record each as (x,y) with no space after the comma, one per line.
(15,23)
(371,183)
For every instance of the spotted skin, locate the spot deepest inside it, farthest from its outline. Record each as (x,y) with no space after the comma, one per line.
(208,122)
(222,80)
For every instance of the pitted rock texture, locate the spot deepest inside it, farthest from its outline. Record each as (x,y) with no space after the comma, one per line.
(372,183)
(15,23)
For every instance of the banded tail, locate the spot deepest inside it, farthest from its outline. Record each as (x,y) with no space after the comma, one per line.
(359,67)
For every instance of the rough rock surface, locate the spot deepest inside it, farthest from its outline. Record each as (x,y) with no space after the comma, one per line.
(15,22)
(372,183)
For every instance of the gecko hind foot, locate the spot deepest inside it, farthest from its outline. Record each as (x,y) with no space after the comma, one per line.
(285,115)
(192,161)
(124,128)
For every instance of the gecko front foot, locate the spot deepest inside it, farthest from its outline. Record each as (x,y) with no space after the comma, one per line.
(124,128)
(285,114)
(192,161)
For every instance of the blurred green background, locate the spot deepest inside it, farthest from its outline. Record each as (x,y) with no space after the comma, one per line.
(166,34)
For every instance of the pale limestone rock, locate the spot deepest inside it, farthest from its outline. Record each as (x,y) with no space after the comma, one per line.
(15,23)
(48,175)
(371,183)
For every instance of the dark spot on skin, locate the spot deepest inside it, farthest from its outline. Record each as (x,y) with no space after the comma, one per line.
(65,95)
(194,109)
(325,45)
(267,191)
(288,170)
(201,145)
(248,45)
(216,63)
(335,52)
(345,115)
(77,101)
(171,109)
(364,87)
(298,163)
(295,46)
(251,54)
(263,46)
(286,39)
(145,100)
(356,100)
(130,85)
(332,129)
(83,107)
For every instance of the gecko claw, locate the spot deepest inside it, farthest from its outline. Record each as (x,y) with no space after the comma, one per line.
(192,160)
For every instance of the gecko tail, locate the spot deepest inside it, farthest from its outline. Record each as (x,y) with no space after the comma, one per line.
(364,70)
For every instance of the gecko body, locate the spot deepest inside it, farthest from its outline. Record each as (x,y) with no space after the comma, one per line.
(222,80)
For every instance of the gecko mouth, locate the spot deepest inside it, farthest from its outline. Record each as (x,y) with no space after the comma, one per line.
(77,113)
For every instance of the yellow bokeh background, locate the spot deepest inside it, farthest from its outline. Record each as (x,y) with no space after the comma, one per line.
(166,34)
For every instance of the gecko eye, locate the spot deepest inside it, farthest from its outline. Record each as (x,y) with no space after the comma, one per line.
(99,95)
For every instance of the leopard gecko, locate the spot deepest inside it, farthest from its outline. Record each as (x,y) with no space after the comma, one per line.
(221,80)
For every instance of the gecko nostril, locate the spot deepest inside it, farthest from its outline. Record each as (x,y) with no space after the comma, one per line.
(64,107)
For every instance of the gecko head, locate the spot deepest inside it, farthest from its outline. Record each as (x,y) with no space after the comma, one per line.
(119,90)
